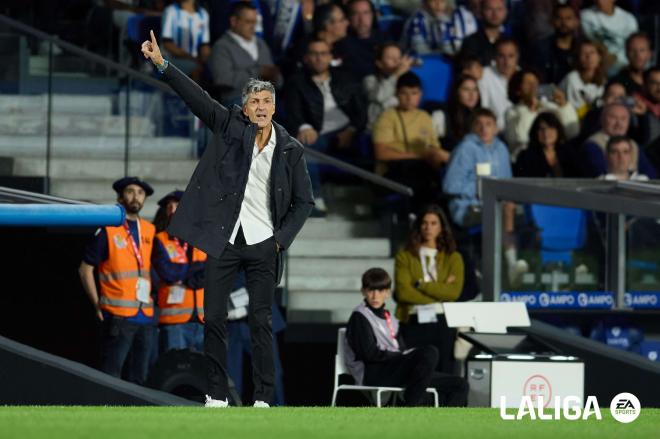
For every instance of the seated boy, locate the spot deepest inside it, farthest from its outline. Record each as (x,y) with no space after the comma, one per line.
(375,354)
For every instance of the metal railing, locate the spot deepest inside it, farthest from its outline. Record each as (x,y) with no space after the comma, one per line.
(132,74)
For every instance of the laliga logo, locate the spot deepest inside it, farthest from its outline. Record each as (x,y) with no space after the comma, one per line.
(625,408)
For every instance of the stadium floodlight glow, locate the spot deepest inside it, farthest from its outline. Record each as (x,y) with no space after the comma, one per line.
(520,357)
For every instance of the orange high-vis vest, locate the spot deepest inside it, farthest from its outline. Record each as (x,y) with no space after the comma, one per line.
(119,274)
(174,313)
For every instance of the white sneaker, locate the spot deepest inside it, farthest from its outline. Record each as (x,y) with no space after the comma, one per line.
(215,403)
(261,404)
(319,203)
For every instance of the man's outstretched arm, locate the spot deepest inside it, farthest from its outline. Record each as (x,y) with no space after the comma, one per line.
(200,103)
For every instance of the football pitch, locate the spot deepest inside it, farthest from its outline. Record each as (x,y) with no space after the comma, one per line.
(303,422)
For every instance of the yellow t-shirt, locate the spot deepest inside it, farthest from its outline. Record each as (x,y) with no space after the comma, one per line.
(419,132)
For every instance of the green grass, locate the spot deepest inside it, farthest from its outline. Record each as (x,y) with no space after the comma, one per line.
(292,423)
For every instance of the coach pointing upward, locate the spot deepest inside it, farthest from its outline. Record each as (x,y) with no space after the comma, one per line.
(247,199)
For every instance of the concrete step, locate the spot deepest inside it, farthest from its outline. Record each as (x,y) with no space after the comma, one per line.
(346,267)
(97,147)
(78,169)
(322,282)
(316,228)
(328,300)
(100,191)
(62,104)
(353,247)
(74,125)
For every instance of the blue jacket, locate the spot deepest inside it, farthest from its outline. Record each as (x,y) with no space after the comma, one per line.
(460,181)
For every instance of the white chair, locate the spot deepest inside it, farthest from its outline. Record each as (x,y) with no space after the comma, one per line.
(341,369)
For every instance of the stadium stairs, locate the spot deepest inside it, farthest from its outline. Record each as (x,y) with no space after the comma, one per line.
(32,377)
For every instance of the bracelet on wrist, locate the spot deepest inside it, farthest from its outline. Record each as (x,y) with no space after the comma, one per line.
(161,67)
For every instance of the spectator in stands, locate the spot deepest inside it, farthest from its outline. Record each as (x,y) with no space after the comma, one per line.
(554,55)
(615,122)
(325,108)
(470,66)
(493,85)
(547,154)
(360,45)
(180,269)
(611,25)
(453,123)
(292,21)
(122,256)
(528,103)
(428,272)
(186,36)
(381,87)
(122,12)
(482,43)
(376,354)
(240,55)
(220,13)
(638,53)
(480,153)
(438,27)
(619,160)
(406,146)
(329,25)
(648,102)
(585,84)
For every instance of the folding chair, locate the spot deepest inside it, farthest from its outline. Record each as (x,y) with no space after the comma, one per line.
(341,369)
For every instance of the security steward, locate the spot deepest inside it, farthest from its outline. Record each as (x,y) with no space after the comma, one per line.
(180,269)
(122,258)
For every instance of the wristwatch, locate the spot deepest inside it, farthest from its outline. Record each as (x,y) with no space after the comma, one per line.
(161,67)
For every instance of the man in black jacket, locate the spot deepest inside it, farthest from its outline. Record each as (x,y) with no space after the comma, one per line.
(247,199)
(325,107)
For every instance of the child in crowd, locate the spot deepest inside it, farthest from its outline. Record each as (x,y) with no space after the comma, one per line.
(376,355)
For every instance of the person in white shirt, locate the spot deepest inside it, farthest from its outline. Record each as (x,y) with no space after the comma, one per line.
(186,36)
(585,84)
(527,104)
(611,25)
(493,85)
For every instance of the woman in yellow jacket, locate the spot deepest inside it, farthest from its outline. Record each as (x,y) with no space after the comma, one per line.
(428,271)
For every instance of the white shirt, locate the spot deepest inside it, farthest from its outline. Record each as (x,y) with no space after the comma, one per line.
(429,268)
(333,118)
(250,46)
(255,216)
(611,30)
(493,89)
(578,93)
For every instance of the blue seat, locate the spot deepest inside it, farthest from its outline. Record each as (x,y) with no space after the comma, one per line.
(436,75)
(562,230)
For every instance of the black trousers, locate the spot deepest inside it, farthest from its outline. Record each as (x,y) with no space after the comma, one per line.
(415,372)
(437,334)
(259,262)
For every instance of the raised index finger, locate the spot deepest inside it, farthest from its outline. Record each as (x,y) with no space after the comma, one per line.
(153,37)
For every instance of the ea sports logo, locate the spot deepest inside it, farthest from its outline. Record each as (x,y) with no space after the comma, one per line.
(625,407)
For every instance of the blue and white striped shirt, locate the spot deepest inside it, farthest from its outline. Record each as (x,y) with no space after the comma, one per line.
(188,31)
(424,33)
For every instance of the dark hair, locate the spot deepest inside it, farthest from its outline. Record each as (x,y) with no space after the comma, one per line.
(636,35)
(648,72)
(515,83)
(237,8)
(506,40)
(350,3)
(161,219)
(615,140)
(445,241)
(408,79)
(322,16)
(482,112)
(381,48)
(559,6)
(552,121)
(466,61)
(601,71)
(315,40)
(376,279)
(458,114)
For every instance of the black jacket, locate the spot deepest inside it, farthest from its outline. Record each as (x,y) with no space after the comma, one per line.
(211,203)
(304,100)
